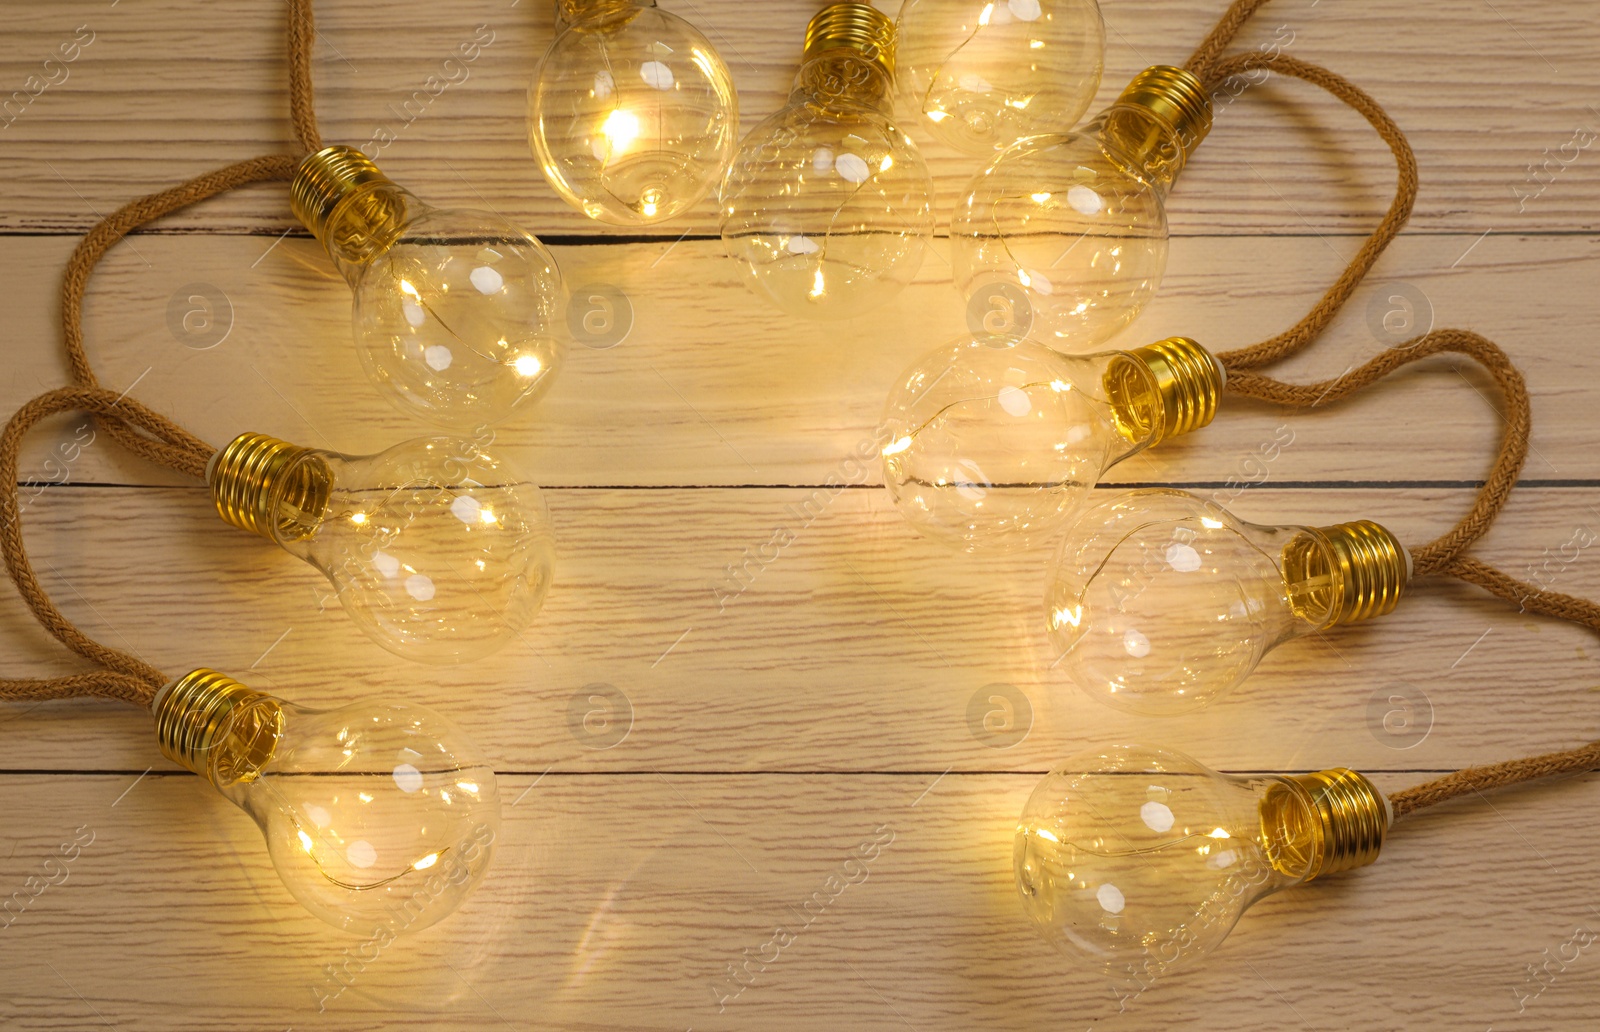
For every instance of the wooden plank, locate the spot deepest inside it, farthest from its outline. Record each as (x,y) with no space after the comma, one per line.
(619,902)
(712,387)
(772,729)
(165,90)
(859,647)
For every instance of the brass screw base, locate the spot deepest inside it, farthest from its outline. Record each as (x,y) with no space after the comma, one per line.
(269,487)
(1176,97)
(1163,389)
(217,727)
(595,13)
(853,26)
(1323,823)
(1345,573)
(347,203)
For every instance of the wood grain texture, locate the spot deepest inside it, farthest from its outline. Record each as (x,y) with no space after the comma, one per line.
(860,647)
(771,730)
(715,387)
(619,902)
(1482,89)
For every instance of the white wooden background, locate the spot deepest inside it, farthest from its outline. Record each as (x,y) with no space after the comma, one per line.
(770,737)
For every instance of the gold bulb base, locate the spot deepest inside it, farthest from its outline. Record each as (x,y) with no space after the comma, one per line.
(1159,120)
(217,727)
(1164,389)
(348,204)
(596,14)
(269,487)
(1323,823)
(1345,573)
(1177,97)
(860,28)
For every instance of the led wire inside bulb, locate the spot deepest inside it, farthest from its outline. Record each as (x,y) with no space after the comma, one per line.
(439,550)
(632,114)
(994,443)
(983,74)
(828,205)
(1161,602)
(454,310)
(380,817)
(1138,861)
(1075,222)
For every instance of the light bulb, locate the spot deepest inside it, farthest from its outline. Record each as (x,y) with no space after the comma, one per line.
(1136,861)
(380,817)
(982,74)
(828,207)
(1160,602)
(1076,221)
(632,113)
(454,310)
(439,551)
(996,442)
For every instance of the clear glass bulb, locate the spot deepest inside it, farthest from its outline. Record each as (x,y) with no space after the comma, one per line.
(439,551)
(995,442)
(828,206)
(1160,602)
(1076,221)
(982,74)
(455,310)
(380,816)
(1136,860)
(632,114)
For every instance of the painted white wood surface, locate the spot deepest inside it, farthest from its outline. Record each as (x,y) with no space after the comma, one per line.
(769,737)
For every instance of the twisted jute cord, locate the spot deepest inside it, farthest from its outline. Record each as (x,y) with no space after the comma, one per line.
(130,679)
(145,433)
(1314,322)
(187,453)
(1444,556)
(182,451)
(123,675)
(302,98)
(1213,70)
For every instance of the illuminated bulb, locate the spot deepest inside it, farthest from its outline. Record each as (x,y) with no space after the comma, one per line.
(454,310)
(1160,602)
(985,73)
(439,551)
(380,817)
(1077,220)
(632,114)
(995,443)
(1137,861)
(828,207)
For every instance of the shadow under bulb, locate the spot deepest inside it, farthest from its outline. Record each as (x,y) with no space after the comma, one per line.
(1077,220)
(632,114)
(982,74)
(439,551)
(380,817)
(828,206)
(1138,861)
(455,310)
(994,443)
(1160,602)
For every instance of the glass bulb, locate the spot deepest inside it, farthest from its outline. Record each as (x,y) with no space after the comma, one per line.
(1076,221)
(982,74)
(1160,602)
(380,817)
(828,206)
(632,114)
(439,551)
(454,310)
(1136,860)
(995,442)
